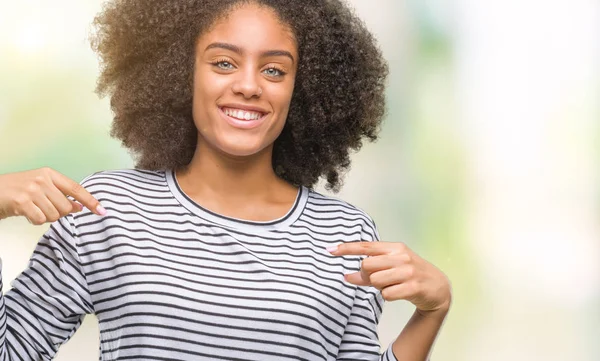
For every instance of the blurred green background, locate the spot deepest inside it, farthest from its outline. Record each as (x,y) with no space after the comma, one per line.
(488,163)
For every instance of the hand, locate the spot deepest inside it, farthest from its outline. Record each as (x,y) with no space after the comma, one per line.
(399,273)
(40,196)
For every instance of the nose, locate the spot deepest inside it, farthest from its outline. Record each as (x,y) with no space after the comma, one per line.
(247,84)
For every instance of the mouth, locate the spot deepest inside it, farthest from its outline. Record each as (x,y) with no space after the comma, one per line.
(243,119)
(241,114)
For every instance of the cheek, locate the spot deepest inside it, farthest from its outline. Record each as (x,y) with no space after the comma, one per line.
(205,86)
(285,100)
(282,96)
(207,89)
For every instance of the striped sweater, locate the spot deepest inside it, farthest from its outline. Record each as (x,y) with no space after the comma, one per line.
(171,280)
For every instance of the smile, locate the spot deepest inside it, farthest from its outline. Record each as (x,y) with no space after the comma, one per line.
(242,114)
(242,119)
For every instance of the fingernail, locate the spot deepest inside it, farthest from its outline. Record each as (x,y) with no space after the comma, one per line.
(80,206)
(332,249)
(101,211)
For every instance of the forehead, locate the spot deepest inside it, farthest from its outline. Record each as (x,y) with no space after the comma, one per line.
(252,27)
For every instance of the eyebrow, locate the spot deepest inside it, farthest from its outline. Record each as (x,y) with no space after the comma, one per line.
(238,50)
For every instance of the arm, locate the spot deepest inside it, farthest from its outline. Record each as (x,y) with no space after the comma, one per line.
(401,274)
(48,300)
(416,339)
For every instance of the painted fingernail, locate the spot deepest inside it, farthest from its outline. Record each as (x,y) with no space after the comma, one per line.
(101,211)
(332,249)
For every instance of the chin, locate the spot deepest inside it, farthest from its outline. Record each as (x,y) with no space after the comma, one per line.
(241,149)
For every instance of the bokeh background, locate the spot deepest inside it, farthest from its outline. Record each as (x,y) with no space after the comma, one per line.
(488,163)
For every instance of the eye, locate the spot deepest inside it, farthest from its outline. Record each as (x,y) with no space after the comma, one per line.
(223,64)
(274,72)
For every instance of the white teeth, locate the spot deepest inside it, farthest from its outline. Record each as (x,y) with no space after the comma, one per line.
(242,115)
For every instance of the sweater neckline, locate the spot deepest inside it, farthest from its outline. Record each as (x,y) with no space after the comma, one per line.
(286,220)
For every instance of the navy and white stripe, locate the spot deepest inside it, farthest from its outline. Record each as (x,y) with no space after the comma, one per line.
(170,280)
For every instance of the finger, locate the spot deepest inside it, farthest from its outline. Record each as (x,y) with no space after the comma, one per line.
(78,192)
(357,278)
(62,204)
(362,248)
(378,263)
(75,207)
(380,279)
(43,203)
(389,277)
(401,291)
(32,213)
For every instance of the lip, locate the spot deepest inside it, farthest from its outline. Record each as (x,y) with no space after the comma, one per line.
(242,124)
(249,108)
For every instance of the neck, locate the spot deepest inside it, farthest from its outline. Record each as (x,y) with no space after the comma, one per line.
(212,172)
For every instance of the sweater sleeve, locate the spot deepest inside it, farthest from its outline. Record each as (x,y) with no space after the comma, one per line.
(48,301)
(360,340)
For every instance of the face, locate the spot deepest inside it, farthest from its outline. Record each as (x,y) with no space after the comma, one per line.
(243,81)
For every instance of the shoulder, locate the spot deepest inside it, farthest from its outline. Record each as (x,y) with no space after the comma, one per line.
(322,206)
(131,191)
(123,177)
(128,183)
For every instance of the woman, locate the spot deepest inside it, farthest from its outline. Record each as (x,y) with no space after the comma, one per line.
(216,247)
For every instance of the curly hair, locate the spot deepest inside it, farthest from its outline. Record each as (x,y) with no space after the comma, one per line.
(147,51)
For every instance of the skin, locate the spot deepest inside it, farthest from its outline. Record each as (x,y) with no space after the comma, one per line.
(39,196)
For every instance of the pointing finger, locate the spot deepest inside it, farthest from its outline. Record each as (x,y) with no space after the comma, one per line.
(78,192)
(362,248)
